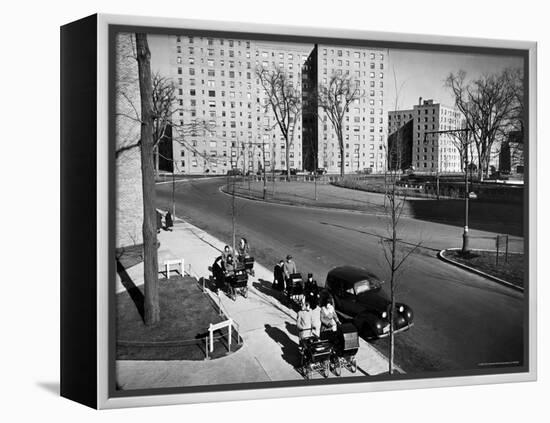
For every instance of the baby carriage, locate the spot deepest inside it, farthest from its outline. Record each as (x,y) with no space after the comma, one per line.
(315,355)
(345,344)
(248,263)
(237,282)
(295,287)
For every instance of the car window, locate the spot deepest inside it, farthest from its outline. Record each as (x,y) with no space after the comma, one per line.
(365,286)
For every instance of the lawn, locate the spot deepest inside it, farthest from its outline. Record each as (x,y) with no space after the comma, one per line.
(186,313)
(130,256)
(510,270)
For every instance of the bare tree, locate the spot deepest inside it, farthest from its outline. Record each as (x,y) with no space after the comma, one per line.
(394,253)
(166,112)
(489,105)
(334,99)
(394,203)
(462,142)
(283,98)
(150,259)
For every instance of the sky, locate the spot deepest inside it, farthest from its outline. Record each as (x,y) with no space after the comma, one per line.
(423,73)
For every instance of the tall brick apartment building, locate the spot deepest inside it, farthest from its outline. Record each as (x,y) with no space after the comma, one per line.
(365,127)
(217,84)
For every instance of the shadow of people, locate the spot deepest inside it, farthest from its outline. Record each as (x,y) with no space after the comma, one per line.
(289,348)
(266,287)
(291,328)
(133,291)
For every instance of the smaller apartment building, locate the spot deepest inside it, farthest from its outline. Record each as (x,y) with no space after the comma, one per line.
(430,152)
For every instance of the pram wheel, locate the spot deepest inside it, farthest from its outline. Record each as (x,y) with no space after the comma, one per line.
(353,365)
(337,367)
(325,370)
(245,292)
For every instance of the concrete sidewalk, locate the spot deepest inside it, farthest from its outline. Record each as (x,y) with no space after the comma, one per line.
(266,324)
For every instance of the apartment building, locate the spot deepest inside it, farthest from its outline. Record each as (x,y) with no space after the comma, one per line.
(365,126)
(429,152)
(216,84)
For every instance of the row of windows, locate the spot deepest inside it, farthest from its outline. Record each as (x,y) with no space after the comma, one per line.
(356,54)
(356,63)
(210,41)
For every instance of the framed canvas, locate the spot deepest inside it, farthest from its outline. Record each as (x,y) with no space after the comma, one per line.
(253,211)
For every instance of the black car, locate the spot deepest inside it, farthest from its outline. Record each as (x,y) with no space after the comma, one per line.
(358,296)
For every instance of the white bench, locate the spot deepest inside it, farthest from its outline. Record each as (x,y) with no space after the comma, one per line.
(168,263)
(221,325)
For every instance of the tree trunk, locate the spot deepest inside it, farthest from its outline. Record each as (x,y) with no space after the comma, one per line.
(287,160)
(392,280)
(150,259)
(342,167)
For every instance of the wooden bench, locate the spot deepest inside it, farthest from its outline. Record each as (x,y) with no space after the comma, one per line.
(168,263)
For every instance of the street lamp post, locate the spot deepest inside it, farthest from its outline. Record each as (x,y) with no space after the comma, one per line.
(263,166)
(465,235)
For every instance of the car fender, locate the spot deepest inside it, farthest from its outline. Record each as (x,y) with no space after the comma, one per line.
(367,320)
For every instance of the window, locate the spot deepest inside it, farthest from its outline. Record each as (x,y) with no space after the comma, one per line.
(192,92)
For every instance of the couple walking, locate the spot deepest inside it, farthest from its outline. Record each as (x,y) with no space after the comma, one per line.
(282,272)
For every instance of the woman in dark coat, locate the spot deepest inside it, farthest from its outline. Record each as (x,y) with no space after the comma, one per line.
(279,276)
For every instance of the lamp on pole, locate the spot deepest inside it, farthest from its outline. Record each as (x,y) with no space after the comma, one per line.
(465,234)
(263,166)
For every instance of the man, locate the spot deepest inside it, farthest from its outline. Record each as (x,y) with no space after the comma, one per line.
(289,269)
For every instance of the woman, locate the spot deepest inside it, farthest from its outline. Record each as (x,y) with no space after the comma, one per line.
(226,253)
(329,318)
(243,250)
(279,276)
(304,322)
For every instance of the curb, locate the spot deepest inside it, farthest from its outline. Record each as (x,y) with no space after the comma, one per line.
(303,206)
(441,256)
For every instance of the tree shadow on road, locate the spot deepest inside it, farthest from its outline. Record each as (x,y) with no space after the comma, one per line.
(289,348)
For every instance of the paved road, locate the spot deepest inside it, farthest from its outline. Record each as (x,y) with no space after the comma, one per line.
(462,321)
